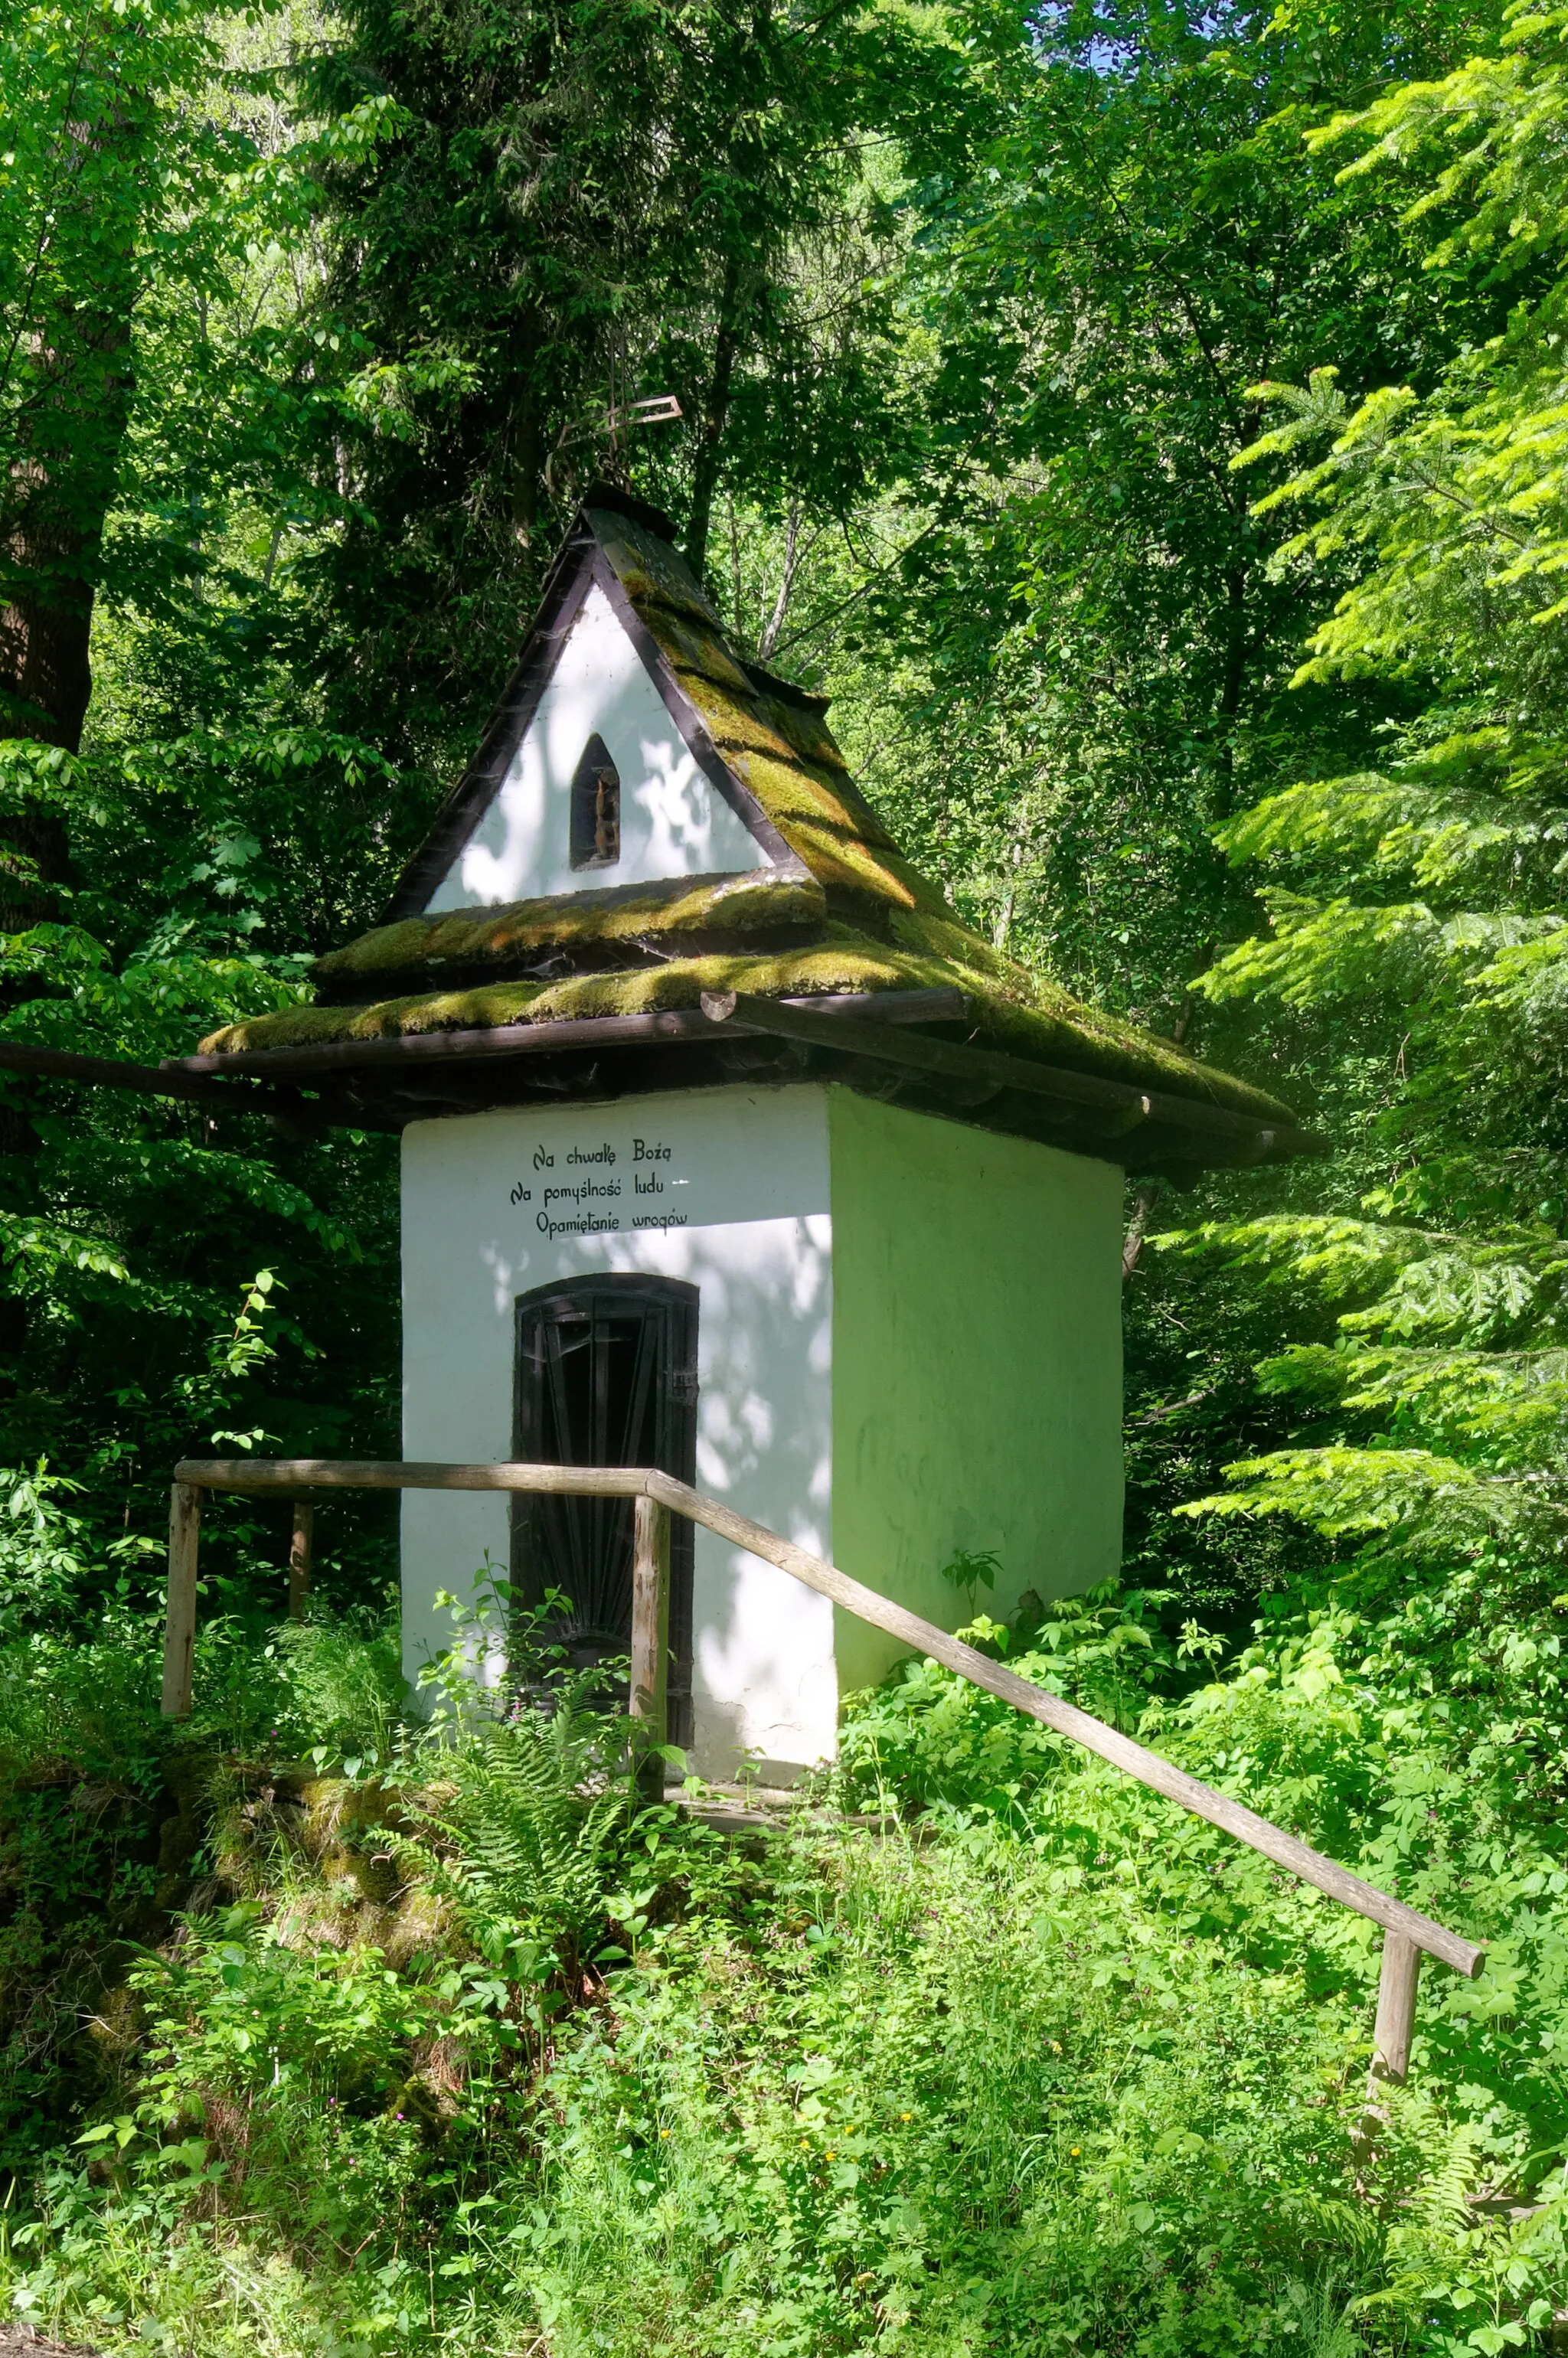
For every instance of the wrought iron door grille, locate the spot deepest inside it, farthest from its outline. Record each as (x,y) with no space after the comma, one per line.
(606,1375)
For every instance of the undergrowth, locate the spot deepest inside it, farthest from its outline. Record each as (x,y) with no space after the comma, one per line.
(363,2039)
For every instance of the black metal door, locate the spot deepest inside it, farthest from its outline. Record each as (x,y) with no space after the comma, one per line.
(606,1375)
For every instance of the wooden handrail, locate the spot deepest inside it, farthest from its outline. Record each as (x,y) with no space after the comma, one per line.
(1408,1932)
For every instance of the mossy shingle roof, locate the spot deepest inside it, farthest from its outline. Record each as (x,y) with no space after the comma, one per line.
(836,909)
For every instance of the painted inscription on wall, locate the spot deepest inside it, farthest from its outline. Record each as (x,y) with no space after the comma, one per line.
(591,1185)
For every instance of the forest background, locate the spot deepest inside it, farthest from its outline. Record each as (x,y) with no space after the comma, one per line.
(1149,425)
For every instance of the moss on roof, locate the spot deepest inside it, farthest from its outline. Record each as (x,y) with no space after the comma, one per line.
(758,901)
(804,728)
(784,755)
(733,717)
(861,918)
(648,566)
(1043,1020)
(810,792)
(694,649)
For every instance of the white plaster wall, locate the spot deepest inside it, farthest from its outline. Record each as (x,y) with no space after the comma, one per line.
(673,823)
(740,1209)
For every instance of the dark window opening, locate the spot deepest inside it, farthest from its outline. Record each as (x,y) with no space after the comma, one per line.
(596,808)
(606,1375)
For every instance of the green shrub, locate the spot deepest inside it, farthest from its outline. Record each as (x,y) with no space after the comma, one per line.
(927,1737)
(470,2054)
(342,1688)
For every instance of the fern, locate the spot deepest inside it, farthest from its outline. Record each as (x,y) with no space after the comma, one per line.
(532,1803)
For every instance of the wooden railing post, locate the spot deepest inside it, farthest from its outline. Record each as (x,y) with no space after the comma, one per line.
(1391,2035)
(650,1645)
(179,1623)
(299,1553)
(1396,2011)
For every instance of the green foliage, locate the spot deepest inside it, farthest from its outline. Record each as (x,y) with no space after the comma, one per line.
(536,1796)
(1058,2068)
(1418,909)
(98,169)
(876,2118)
(979,320)
(1092,644)
(1063,650)
(1458,494)
(1410,1393)
(970,1569)
(151,210)
(585,209)
(928,1737)
(344,1688)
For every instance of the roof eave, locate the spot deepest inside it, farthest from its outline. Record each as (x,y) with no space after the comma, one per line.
(872,1041)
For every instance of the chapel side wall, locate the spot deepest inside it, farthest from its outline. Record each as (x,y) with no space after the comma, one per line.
(745,1188)
(976,1366)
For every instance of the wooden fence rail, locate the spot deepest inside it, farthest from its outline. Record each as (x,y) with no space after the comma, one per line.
(1407,1934)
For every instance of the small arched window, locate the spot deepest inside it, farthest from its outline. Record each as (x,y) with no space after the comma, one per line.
(596,808)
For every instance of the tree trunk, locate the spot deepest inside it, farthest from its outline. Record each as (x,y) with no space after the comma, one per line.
(51,534)
(67,399)
(716,411)
(1231,685)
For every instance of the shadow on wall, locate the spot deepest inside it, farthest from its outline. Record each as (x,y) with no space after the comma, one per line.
(763,1675)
